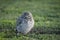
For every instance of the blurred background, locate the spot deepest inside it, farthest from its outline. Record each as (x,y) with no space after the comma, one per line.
(46,14)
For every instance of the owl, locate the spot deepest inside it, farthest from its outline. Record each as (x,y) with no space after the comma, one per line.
(24,23)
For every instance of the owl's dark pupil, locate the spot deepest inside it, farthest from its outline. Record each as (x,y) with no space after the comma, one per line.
(19,22)
(25,17)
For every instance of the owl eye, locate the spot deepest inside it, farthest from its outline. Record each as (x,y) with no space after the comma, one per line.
(25,17)
(19,22)
(26,13)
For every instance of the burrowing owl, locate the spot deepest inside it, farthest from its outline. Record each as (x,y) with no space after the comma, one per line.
(25,23)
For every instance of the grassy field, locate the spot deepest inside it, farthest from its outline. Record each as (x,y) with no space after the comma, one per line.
(46,14)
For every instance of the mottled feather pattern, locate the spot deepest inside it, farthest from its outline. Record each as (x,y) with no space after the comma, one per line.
(25,23)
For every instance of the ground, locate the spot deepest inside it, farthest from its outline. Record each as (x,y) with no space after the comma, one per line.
(46,14)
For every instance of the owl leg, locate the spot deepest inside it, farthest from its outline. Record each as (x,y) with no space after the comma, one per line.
(17,34)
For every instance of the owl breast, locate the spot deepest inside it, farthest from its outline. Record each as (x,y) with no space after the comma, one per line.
(27,26)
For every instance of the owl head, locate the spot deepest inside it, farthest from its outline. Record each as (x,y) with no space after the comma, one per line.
(27,15)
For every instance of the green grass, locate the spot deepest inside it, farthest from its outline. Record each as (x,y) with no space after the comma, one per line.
(46,14)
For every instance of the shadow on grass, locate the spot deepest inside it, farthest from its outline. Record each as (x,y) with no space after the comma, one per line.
(46,30)
(10,33)
(7,30)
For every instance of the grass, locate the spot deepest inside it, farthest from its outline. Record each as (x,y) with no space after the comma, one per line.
(46,14)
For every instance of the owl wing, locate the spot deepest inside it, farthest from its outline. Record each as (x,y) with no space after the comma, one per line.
(19,21)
